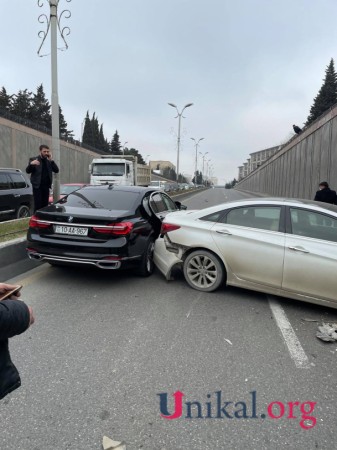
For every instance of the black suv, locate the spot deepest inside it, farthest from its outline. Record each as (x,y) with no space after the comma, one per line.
(16,196)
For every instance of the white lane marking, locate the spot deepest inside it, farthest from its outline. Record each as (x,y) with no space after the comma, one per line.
(294,346)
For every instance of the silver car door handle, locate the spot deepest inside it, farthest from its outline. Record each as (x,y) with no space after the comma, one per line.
(299,249)
(224,232)
(17,195)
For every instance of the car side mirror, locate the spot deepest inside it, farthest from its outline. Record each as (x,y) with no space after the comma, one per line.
(180,206)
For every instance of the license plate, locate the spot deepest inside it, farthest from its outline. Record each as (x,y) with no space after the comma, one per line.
(77,231)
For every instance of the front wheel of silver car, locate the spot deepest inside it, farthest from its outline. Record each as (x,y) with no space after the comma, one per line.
(204,271)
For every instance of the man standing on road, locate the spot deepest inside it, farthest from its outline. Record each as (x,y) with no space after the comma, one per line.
(15,318)
(41,169)
(325,194)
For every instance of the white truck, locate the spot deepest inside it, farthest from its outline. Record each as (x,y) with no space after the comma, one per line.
(119,170)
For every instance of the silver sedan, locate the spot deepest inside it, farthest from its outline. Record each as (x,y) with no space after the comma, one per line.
(284,247)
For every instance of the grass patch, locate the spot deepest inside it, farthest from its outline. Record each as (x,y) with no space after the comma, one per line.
(12,229)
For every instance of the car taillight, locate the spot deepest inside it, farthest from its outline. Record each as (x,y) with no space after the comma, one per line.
(116,229)
(35,222)
(167,227)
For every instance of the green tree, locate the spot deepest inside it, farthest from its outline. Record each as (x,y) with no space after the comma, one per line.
(95,131)
(87,137)
(134,152)
(64,132)
(5,100)
(115,145)
(327,95)
(40,108)
(22,104)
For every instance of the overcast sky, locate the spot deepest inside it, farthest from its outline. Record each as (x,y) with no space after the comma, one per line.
(251,68)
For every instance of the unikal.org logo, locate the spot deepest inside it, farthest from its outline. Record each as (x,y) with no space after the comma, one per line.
(218,408)
(70,219)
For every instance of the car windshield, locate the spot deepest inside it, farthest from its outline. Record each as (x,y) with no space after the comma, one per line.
(103,199)
(108,169)
(66,189)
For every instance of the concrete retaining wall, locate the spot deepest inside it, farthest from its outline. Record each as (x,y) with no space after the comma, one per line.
(18,143)
(297,169)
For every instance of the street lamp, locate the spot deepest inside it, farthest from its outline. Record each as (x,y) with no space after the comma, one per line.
(53,23)
(123,147)
(179,115)
(196,143)
(203,162)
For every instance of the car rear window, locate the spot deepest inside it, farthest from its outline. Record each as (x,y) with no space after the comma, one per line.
(103,199)
(18,181)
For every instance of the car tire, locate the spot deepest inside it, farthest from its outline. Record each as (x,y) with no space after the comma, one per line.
(146,267)
(22,212)
(204,271)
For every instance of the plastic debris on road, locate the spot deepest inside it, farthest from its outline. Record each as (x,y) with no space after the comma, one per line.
(327,332)
(228,341)
(109,444)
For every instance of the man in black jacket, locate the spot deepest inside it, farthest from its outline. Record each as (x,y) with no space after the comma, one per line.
(325,194)
(15,318)
(41,169)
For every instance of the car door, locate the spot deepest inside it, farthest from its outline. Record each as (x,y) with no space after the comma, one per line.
(161,204)
(6,195)
(20,191)
(251,240)
(310,261)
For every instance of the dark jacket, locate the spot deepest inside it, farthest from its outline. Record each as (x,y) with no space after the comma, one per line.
(326,195)
(36,171)
(14,319)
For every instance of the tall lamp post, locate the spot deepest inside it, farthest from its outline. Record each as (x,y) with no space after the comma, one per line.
(53,23)
(207,169)
(203,163)
(179,115)
(196,143)
(123,146)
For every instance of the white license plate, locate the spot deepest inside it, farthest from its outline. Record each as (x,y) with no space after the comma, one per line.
(77,231)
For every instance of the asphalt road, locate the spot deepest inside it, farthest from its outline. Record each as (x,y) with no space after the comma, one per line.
(105,344)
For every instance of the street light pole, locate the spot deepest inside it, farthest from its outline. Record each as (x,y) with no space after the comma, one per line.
(196,143)
(179,115)
(203,163)
(53,23)
(123,147)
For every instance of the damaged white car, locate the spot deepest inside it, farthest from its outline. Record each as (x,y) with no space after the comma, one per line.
(284,247)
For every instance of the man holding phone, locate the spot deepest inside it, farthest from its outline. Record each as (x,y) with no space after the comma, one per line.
(15,318)
(41,169)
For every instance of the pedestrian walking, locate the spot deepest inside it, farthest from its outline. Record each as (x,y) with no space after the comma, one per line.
(325,194)
(41,168)
(15,318)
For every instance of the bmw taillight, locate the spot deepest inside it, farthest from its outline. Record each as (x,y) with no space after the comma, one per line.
(35,222)
(167,227)
(116,229)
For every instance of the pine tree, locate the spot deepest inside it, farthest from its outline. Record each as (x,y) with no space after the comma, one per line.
(87,137)
(64,132)
(5,100)
(22,104)
(95,131)
(40,109)
(327,95)
(115,145)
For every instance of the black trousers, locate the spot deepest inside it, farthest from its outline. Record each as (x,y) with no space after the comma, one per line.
(41,196)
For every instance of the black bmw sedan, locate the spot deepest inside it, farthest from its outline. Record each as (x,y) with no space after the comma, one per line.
(108,226)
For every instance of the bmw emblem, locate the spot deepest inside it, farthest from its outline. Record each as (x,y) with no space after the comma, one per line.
(70,218)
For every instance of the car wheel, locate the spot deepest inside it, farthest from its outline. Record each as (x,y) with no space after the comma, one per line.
(204,271)
(23,212)
(146,265)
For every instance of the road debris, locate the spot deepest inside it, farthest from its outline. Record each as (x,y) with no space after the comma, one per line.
(310,320)
(327,332)
(228,341)
(109,444)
